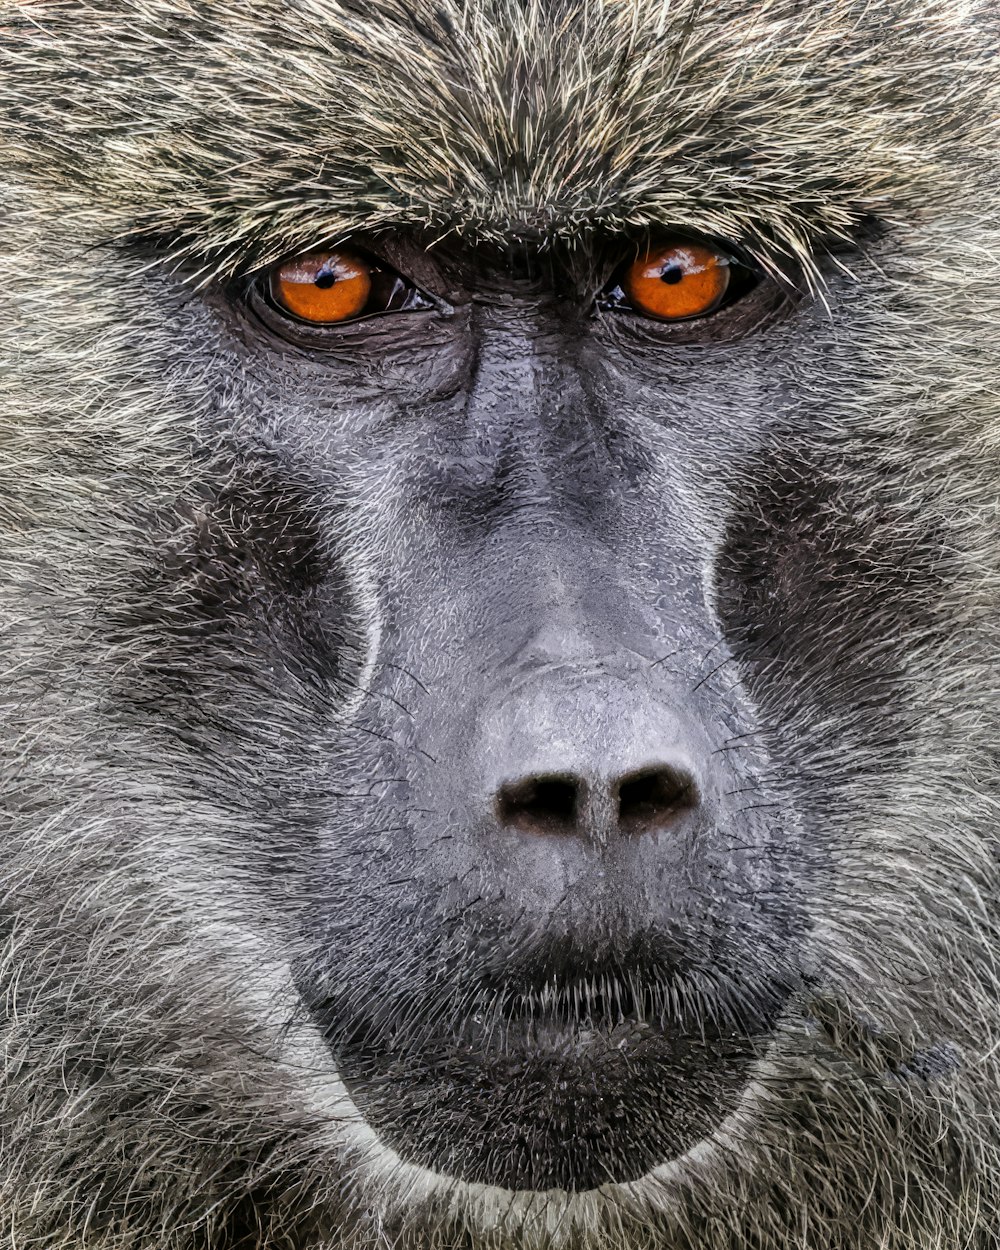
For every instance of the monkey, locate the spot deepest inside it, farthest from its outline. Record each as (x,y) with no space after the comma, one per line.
(499,591)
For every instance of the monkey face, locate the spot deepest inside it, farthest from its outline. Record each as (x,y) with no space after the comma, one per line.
(578,925)
(603,589)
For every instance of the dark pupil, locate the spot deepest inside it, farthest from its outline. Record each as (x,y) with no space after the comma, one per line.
(325,279)
(672,274)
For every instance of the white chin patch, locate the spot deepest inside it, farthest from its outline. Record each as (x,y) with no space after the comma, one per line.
(531,1218)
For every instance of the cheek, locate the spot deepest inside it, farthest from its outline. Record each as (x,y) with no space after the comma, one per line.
(259,632)
(821,582)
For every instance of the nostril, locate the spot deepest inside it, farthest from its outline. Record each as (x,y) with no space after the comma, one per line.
(541,804)
(649,799)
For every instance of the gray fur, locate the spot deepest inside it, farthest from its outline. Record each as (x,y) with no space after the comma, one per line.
(162,1088)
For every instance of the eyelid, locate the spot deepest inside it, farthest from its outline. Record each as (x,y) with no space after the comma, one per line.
(386,292)
(631,293)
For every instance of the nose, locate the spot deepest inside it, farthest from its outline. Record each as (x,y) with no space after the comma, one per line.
(588,804)
(596,760)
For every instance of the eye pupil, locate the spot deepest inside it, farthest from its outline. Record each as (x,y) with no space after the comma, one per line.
(672,275)
(326,280)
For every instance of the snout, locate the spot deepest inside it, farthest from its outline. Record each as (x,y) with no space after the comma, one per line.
(599,975)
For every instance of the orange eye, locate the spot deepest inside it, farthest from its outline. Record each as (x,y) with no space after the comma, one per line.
(323,287)
(677,280)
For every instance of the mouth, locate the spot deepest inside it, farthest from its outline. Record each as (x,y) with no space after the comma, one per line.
(576,1087)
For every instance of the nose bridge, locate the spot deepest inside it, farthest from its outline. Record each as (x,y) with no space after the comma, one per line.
(527,397)
(601,718)
(556,502)
(574,604)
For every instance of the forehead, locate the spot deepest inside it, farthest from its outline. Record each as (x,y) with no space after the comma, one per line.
(275,125)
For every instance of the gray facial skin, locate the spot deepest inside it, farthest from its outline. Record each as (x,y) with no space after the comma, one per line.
(503,771)
(576,857)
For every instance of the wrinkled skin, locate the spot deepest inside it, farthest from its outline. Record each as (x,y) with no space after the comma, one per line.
(506,772)
(576,640)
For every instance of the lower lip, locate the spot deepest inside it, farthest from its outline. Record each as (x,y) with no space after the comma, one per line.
(552,1106)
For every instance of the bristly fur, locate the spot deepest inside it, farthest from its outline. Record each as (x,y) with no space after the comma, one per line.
(240,132)
(161,1091)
